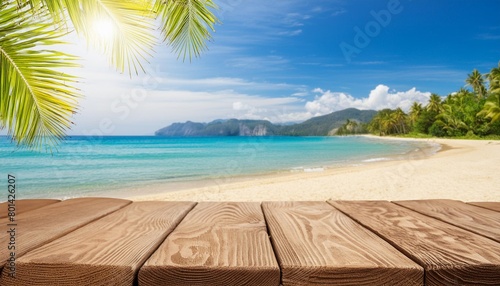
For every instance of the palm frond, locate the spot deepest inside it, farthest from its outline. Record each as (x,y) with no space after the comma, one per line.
(494,79)
(132,38)
(492,107)
(37,100)
(186,24)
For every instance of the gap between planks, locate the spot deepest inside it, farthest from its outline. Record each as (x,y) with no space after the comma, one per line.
(215,244)
(318,245)
(108,251)
(479,220)
(450,255)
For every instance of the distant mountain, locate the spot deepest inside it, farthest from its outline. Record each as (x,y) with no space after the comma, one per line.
(182,129)
(316,126)
(326,124)
(231,127)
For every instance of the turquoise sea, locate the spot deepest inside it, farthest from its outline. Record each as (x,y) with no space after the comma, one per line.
(85,166)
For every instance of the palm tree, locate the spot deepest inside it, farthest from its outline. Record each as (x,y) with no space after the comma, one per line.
(492,108)
(381,122)
(375,125)
(415,111)
(388,124)
(476,80)
(494,79)
(37,99)
(400,120)
(351,126)
(451,121)
(434,104)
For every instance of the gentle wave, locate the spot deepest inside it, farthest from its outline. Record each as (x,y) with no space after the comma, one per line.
(85,166)
(308,170)
(375,160)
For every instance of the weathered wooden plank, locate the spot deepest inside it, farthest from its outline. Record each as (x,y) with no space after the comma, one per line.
(478,220)
(318,245)
(449,255)
(37,227)
(487,205)
(216,244)
(108,251)
(22,206)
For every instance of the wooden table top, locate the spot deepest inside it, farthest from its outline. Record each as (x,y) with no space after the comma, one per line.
(103,241)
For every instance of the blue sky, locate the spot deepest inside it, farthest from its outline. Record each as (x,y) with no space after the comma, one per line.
(286,61)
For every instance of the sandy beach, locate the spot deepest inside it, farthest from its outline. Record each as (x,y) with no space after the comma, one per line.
(464,170)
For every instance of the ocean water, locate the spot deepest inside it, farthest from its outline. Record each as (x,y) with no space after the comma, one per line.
(84,166)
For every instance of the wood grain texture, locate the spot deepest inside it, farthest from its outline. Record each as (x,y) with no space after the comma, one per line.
(216,244)
(23,206)
(487,205)
(40,226)
(108,251)
(478,220)
(318,245)
(449,255)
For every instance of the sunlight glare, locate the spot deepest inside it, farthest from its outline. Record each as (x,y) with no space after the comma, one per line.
(104,28)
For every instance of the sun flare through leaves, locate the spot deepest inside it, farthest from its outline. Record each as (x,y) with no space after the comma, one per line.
(104,29)
(37,99)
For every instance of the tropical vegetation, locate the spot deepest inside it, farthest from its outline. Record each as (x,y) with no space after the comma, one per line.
(37,93)
(470,112)
(351,127)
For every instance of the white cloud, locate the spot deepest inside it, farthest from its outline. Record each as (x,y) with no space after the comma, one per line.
(300,93)
(339,11)
(272,109)
(221,83)
(139,111)
(267,63)
(295,19)
(215,81)
(130,112)
(368,63)
(327,102)
(115,104)
(379,98)
(290,33)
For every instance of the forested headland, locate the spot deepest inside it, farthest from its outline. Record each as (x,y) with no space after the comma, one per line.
(471,112)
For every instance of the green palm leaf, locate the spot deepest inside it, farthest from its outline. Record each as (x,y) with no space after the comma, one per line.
(131,21)
(494,78)
(492,108)
(434,103)
(37,100)
(476,80)
(186,24)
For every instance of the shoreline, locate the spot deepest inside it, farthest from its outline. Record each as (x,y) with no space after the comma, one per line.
(155,188)
(448,174)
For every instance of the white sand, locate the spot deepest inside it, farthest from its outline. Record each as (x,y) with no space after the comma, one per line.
(466,170)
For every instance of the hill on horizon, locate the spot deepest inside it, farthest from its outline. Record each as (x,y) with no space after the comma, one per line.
(317,126)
